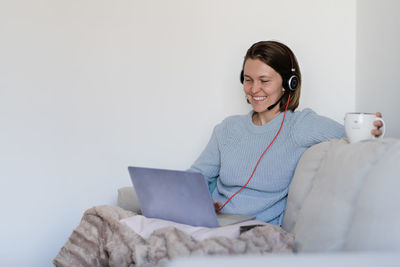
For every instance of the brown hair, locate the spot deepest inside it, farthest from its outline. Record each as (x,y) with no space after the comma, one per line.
(279,57)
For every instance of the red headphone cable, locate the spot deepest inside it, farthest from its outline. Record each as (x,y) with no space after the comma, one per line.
(221,207)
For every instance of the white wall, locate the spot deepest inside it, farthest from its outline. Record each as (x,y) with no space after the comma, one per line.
(90,87)
(378,60)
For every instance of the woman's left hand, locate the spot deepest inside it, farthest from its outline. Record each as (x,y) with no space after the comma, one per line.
(378,124)
(217,206)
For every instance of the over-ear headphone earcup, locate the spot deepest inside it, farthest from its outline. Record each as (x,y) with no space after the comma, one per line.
(293,83)
(242,77)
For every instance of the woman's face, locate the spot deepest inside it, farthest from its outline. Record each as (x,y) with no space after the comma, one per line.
(262,85)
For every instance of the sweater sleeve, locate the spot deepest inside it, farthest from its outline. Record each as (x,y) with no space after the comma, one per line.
(311,128)
(209,161)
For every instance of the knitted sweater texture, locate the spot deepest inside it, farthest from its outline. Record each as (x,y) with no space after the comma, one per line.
(236,145)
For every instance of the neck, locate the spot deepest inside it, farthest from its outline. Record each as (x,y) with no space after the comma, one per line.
(261,118)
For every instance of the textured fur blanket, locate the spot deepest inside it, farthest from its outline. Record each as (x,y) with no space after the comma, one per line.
(101,240)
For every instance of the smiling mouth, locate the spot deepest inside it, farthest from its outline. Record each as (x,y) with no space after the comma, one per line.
(259,98)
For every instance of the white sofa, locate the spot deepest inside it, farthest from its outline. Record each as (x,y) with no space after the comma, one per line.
(343,199)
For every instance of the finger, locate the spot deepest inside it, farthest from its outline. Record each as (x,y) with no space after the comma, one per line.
(376,133)
(379,115)
(217,205)
(378,124)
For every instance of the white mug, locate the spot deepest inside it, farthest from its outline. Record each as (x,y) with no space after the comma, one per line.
(358,126)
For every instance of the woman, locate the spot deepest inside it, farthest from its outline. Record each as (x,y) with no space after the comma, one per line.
(244,177)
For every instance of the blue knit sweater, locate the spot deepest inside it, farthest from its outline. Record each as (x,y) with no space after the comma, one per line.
(235,147)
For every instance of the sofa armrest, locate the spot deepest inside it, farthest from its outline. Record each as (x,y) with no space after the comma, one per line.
(127,199)
(345,197)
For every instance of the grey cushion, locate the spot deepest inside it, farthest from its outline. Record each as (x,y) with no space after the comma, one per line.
(302,182)
(127,199)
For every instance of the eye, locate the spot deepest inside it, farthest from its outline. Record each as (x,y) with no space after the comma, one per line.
(264,81)
(247,80)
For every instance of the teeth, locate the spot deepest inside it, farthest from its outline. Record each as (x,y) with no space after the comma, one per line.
(259,98)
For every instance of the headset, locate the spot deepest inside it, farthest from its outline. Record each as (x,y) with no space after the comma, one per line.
(291,82)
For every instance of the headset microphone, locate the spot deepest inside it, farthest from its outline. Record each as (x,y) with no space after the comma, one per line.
(276,103)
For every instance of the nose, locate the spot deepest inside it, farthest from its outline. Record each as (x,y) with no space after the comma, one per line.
(255,87)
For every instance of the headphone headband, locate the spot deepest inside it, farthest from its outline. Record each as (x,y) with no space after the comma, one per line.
(293,69)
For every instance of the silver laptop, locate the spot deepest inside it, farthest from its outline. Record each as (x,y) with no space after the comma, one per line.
(178,196)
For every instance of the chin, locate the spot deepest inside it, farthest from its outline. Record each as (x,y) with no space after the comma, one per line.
(260,109)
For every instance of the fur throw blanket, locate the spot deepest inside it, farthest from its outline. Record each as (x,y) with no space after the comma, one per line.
(101,240)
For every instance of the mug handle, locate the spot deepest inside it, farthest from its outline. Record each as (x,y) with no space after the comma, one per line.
(383,128)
